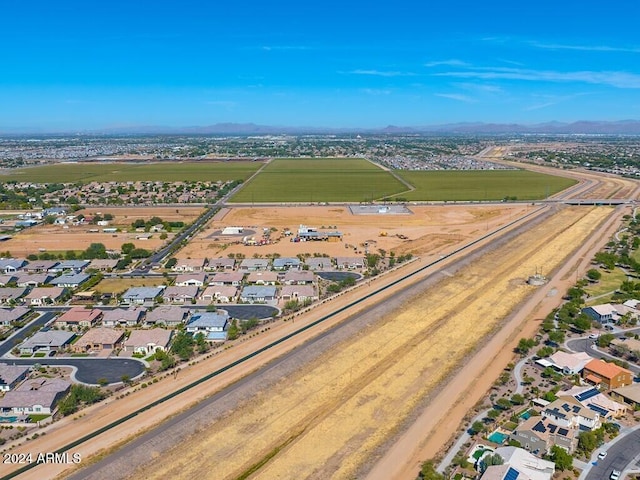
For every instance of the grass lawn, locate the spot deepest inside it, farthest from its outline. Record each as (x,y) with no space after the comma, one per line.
(121,172)
(609,282)
(481,185)
(319,180)
(37,417)
(119,285)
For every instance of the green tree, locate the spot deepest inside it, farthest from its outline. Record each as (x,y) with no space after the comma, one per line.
(126,248)
(594,274)
(171,262)
(183,346)
(477,427)
(428,472)
(562,458)
(517,399)
(524,345)
(605,340)
(556,336)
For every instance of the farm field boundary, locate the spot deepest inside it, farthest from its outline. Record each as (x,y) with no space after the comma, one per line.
(319,180)
(122,172)
(482,185)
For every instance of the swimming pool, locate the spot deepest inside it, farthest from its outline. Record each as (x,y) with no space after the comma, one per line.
(8,419)
(498,437)
(526,415)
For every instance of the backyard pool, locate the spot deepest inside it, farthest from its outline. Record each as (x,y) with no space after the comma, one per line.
(498,437)
(525,415)
(8,419)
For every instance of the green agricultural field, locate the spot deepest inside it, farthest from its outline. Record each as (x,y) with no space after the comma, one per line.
(123,172)
(319,180)
(481,185)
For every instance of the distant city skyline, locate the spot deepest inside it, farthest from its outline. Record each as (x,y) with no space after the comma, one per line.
(71,65)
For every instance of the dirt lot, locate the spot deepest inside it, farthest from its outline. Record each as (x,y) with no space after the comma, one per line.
(431,229)
(328,419)
(56,238)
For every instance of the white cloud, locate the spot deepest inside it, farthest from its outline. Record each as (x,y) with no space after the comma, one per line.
(448,63)
(611,78)
(376,92)
(455,96)
(382,73)
(586,48)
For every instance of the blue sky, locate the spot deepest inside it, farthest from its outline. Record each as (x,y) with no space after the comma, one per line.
(71,65)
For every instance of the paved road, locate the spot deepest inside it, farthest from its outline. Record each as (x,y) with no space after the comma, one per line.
(585,344)
(619,455)
(89,370)
(20,335)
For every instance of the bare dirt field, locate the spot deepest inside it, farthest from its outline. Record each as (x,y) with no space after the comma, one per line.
(329,419)
(56,238)
(430,230)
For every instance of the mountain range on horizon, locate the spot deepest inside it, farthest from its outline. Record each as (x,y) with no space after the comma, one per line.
(623,127)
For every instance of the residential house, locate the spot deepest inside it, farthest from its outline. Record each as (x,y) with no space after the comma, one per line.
(568,412)
(538,435)
(46,341)
(7,279)
(180,295)
(41,266)
(630,395)
(11,295)
(319,263)
(40,296)
(520,464)
(11,265)
(36,396)
(75,266)
(146,342)
(122,317)
(12,375)
(103,264)
(227,278)
(34,279)
(603,314)
(597,401)
(212,325)
(569,363)
(302,293)
(55,211)
(141,295)
(286,263)
(73,280)
(258,294)
(607,376)
(165,315)
(79,317)
(262,278)
(9,315)
(189,265)
(302,277)
(99,339)
(221,264)
(221,294)
(190,279)
(254,264)
(350,263)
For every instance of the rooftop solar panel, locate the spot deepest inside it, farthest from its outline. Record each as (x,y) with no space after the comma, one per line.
(592,392)
(512,474)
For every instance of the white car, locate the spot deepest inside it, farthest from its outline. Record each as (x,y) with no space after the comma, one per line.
(615,475)
(602,455)
(593,335)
